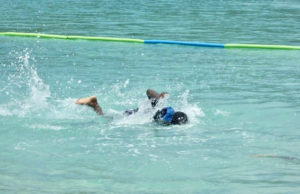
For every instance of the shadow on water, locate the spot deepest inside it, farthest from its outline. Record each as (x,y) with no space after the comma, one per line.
(285,158)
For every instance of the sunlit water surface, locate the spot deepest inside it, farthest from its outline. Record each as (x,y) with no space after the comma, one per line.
(243,105)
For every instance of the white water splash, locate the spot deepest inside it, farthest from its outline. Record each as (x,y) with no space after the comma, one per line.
(143,116)
(146,112)
(25,90)
(192,110)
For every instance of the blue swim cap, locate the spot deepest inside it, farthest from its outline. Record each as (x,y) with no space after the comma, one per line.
(169,114)
(166,115)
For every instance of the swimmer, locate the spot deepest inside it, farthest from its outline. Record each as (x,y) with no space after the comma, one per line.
(166,115)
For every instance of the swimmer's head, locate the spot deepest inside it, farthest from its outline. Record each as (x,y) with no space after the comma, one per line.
(179,118)
(168,116)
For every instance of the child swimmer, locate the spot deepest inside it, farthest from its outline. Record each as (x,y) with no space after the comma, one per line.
(167,115)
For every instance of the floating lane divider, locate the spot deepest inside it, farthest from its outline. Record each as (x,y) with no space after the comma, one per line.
(251,46)
(184,43)
(262,46)
(38,35)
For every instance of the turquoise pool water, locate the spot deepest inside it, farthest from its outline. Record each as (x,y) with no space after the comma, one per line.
(243,135)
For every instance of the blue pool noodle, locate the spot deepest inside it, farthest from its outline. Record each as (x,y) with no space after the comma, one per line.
(184,43)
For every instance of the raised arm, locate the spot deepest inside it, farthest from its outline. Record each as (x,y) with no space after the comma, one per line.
(153,94)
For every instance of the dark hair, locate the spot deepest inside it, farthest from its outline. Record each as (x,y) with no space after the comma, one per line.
(179,118)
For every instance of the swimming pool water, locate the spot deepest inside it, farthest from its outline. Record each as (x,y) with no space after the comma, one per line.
(243,105)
